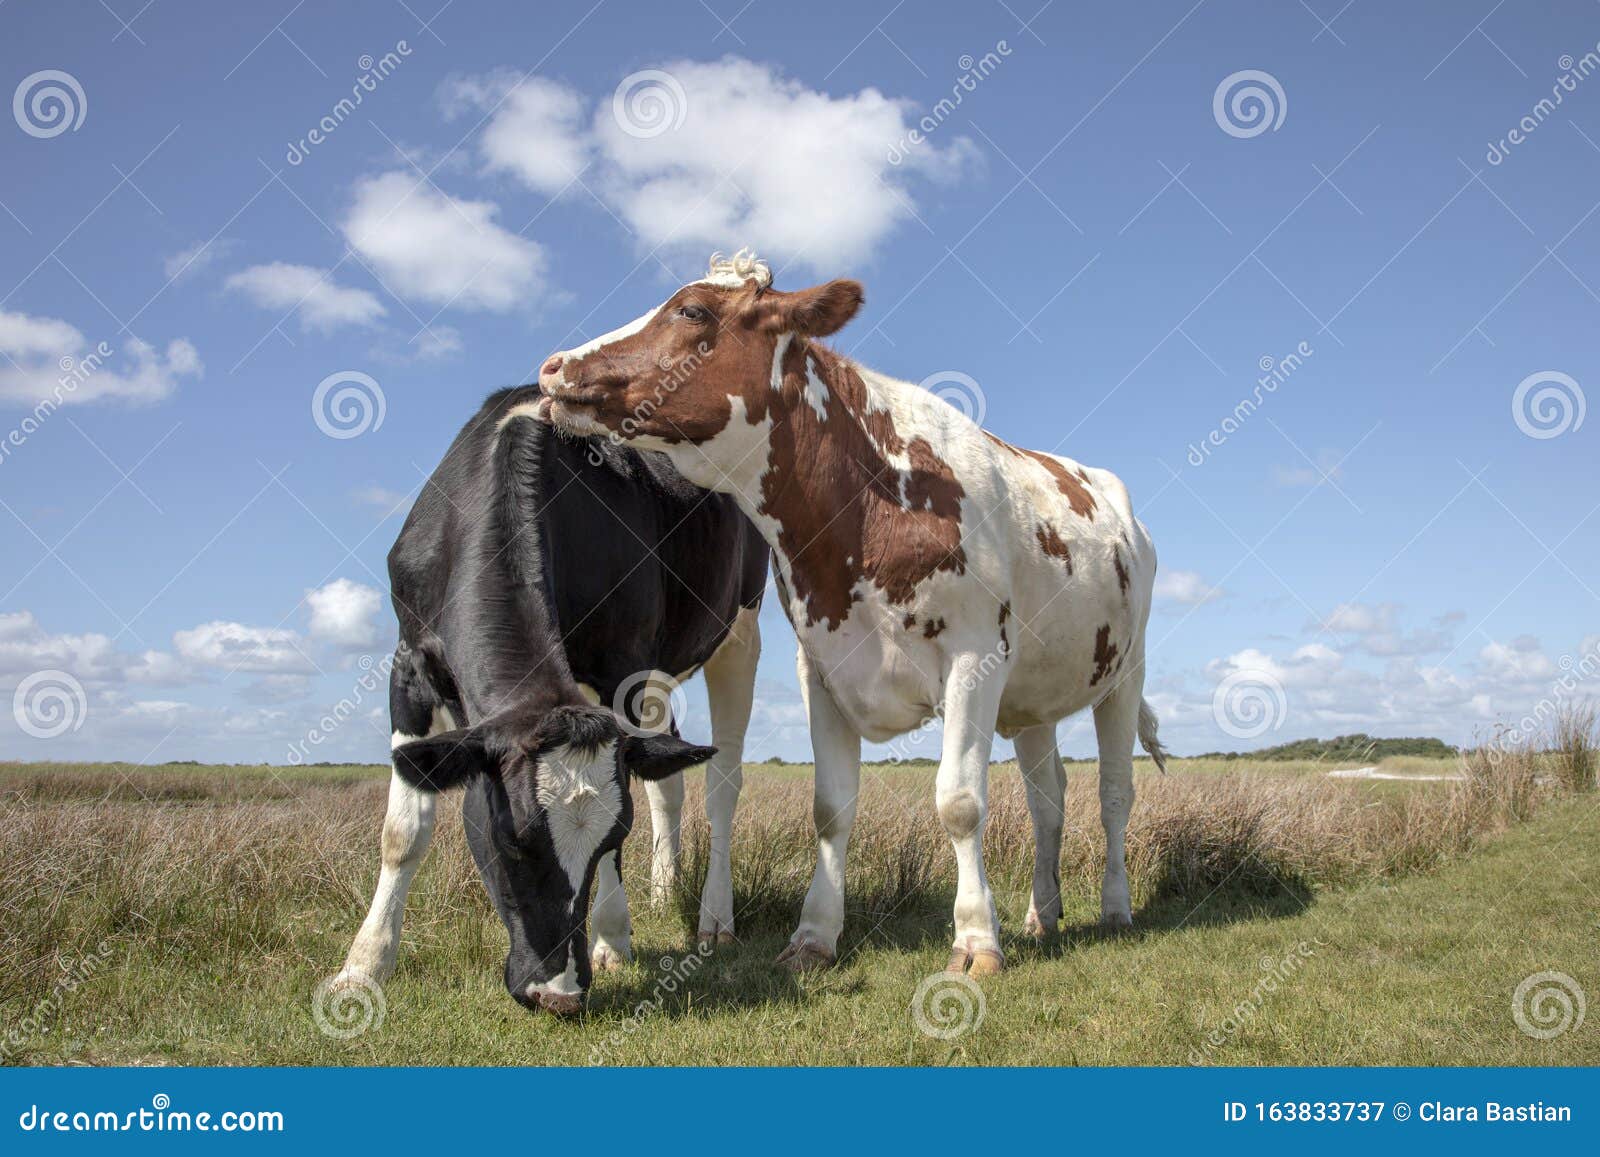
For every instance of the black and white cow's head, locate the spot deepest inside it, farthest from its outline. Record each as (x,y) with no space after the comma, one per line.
(546,798)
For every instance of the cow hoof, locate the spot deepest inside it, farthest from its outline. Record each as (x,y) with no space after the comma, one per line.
(561,1003)
(1040,929)
(722,939)
(1116,921)
(806,956)
(607,958)
(976,961)
(352,980)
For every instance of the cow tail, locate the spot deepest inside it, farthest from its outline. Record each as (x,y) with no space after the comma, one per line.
(1147,735)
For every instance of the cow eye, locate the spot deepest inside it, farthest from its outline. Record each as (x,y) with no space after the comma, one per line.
(698,314)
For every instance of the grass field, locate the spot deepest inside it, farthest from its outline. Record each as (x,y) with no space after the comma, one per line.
(186,915)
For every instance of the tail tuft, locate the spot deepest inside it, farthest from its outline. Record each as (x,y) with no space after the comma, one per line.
(1147,735)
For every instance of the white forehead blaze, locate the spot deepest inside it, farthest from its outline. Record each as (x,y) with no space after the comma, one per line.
(579,792)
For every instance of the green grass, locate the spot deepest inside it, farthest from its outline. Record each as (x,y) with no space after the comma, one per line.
(223,896)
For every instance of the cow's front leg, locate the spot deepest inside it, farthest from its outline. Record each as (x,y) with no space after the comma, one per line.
(730,688)
(407,832)
(666,835)
(612,939)
(836,746)
(971,706)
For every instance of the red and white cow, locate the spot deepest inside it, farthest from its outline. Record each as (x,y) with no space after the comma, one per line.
(928,567)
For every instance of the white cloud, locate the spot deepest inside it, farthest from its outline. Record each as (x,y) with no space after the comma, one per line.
(537,131)
(1186,587)
(237,647)
(1374,628)
(386,500)
(196,258)
(342,613)
(756,159)
(321,303)
(45,358)
(441,249)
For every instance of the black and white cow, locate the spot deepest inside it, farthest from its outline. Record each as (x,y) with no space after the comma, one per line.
(538,580)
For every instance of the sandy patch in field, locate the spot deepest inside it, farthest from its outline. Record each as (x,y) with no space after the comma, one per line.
(1374,773)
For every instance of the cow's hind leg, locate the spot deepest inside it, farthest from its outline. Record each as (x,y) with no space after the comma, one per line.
(1046,781)
(1116,720)
(415,712)
(730,687)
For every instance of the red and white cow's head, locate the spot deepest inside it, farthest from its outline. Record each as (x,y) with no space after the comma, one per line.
(679,374)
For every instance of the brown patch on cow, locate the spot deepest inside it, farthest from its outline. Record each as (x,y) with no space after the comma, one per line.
(844,511)
(1074,485)
(1105,654)
(1005,642)
(1122,571)
(1051,542)
(932,628)
(909,621)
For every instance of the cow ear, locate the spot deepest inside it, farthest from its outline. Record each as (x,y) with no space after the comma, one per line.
(658,756)
(815,312)
(443,761)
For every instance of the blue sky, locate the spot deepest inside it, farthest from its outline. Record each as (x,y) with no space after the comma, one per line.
(197,568)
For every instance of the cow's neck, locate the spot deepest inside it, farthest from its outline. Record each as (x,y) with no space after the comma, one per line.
(840,488)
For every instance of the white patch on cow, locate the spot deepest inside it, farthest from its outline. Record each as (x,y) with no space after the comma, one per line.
(780,348)
(816,390)
(605,339)
(564,985)
(578,790)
